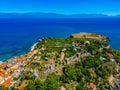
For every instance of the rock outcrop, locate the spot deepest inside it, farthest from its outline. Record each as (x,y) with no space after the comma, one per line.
(89,35)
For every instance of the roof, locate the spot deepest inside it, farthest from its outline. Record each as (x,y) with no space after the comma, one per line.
(7,83)
(110,54)
(92,86)
(1,78)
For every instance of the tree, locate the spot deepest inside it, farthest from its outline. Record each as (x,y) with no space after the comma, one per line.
(92,62)
(69,74)
(30,86)
(3,88)
(39,84)
(102,72)
(101,87)
(29,76)
(52,82)
(79,87)
(13,88)
(79,75)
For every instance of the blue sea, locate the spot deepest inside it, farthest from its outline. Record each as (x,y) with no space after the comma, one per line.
(18,35)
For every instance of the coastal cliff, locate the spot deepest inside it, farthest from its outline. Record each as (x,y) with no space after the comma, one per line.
(83,61)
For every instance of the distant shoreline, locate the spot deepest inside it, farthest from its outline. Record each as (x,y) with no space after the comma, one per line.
(53,15)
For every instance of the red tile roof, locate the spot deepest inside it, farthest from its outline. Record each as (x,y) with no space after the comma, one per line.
(92,86)
(7,83)
(110,54)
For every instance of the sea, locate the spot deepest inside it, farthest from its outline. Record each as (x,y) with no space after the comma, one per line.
(18,35)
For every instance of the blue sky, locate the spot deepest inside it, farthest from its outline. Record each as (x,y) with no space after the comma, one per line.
(110,7)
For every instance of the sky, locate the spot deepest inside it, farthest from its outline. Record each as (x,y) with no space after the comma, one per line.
(109,7)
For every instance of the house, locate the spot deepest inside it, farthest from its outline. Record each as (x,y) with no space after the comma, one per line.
(7,83)
(5,79)
(1,80)
(111,57)
(110,54)
(92,86)
(14,67)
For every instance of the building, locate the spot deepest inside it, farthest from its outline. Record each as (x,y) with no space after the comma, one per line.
(92,86)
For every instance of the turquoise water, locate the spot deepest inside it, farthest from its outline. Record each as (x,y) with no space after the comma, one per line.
(18,35)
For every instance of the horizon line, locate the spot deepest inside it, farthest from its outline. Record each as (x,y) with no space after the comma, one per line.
(22,12)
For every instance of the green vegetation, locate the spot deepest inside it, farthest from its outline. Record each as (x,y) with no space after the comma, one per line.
(51,83)
(92,66)
(116,53)
(3,88)
(57,44)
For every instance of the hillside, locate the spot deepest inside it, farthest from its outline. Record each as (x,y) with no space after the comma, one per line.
(73,63)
